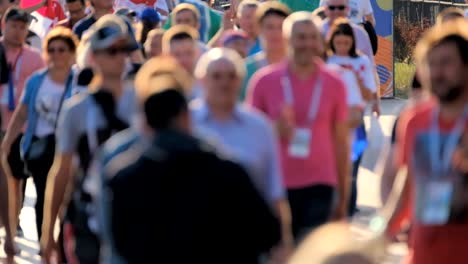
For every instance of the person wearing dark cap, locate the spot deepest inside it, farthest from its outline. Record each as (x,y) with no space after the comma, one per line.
(208,209)
(149,19)
(133,140)
(18,62)
(86,121)
(127,13)
(101,8)
(236,40)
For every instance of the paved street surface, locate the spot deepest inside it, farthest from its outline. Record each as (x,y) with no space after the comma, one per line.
(369,200)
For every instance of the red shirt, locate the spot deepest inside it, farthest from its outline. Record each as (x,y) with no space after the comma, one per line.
(265,92)
(432,244)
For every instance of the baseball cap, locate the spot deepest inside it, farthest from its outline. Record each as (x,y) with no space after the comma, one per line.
(108,30)
(232,35)
(150,15)
(125,12)
(17,14)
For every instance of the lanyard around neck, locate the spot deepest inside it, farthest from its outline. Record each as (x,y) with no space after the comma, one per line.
(315,101)
(441,156)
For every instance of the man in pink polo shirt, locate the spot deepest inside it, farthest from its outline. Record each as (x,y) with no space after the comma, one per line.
(308,104)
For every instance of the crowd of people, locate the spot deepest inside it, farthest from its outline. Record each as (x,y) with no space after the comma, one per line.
(171,131)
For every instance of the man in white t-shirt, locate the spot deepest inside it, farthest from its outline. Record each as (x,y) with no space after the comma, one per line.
(359,11)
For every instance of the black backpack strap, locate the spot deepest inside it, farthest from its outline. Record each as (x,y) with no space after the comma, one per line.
(372,36)
(105,101)
(4,68)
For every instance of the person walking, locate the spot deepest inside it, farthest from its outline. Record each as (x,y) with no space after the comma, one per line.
(307,103)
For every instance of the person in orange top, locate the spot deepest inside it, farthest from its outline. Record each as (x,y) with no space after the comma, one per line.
(430,144)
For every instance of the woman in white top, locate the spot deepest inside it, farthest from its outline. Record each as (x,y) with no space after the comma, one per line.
(342,51)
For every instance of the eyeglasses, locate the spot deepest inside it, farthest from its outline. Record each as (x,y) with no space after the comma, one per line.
(114,51)
(58,50)
(339,7)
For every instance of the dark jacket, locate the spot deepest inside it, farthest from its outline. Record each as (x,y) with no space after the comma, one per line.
(181,203)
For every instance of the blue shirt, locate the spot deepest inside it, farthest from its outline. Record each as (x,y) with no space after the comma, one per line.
(256,48)
(250,139)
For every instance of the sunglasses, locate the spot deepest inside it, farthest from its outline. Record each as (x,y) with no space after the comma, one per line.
(218,76)
(115,51)
(338,7)
(56,50)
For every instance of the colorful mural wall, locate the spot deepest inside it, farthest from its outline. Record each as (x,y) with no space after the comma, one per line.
(383,12)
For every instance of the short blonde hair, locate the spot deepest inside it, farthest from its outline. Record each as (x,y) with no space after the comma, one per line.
(297,18)
(448,12)
(61,33)
(161,73)
(273,7)
(438,34)
(184,7)
(219,54)
(244,4)
(182,31)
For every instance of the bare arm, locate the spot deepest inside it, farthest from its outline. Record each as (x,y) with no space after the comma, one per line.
(401,210)
(355,117)
(59,179)
(284,214)
(14,128)
(227,24)
(342,150)
(370,18)
(4,215)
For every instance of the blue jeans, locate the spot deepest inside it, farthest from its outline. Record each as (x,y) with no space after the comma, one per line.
(353,197)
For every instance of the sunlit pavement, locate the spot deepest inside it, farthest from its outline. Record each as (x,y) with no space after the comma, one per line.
(368,200)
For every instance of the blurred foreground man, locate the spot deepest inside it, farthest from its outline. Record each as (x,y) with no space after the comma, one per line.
(208,209)
(432,143)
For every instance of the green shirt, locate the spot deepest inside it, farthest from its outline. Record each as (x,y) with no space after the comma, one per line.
(253,64)
(301,5)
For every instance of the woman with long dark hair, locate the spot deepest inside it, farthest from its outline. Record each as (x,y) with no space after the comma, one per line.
(342,51)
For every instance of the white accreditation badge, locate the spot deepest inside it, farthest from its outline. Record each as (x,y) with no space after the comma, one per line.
(437,202)
(299,147)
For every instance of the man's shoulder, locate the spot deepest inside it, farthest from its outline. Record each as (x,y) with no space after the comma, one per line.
(271,73)
(255,59)
(119,143)
(31,53)
(253,117)
(359,31)
(418,115)
(84,24)
(77,104)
